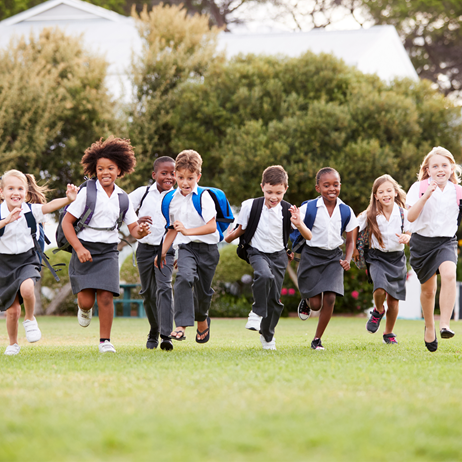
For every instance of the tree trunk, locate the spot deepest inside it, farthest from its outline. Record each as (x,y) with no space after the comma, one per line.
(59,298)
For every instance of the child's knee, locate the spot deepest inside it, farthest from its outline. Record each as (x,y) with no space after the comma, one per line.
(27,289)
(380,293)
(329,299)
(429,292)
(105,298)
(265,276)
(13,313)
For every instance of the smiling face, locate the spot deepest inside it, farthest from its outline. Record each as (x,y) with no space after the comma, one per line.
(439,169)
(14,191)
(386,194)
(273,194)
(329,186)
(107,172)
(164,176)
(187,180)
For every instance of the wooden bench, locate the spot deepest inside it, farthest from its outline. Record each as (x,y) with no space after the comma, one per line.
(127,302)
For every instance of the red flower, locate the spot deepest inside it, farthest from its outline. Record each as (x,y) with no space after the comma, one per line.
(355,294)
(284,291)
(291,291)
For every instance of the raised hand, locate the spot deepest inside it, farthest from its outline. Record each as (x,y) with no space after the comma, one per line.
(71,192)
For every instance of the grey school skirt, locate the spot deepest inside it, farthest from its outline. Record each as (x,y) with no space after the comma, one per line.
(320,271)
(427,254)
(388,272)
(14,270)
(102,273)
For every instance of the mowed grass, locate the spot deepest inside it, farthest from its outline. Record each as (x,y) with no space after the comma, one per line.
(228,400)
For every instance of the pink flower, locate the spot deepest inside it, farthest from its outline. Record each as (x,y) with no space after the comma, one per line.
(355,294)
(284,291)
(291,291)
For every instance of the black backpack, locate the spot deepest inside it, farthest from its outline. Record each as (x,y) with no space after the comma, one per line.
(88,212)
(254,218)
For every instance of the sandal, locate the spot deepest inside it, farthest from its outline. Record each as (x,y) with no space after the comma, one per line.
(178,331)
(207,337)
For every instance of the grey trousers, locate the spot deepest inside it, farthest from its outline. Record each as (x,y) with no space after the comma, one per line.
(156,289)
(269,270)
(193,284)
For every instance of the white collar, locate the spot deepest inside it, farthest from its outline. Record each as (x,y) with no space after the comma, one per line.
(117,190)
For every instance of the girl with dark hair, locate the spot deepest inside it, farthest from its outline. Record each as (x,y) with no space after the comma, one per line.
(388,230)
(94,265)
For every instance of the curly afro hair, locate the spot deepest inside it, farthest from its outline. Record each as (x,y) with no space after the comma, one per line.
(119,150)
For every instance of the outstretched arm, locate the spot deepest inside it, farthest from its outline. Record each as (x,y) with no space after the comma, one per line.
(57,204)
(234,234)
(415,210)
(208,228)
(299,223)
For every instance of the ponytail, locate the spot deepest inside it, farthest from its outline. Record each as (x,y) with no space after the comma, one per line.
(36,193)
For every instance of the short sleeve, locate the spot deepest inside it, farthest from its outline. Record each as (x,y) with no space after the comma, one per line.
(135,197)
(243,218)
(130,216)
(413,195)
(362,220)
(407,224)
(353,223)
(77,207)
(208,208)
(38,212)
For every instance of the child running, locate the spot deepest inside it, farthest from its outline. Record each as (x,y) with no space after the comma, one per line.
(20,268)
(433,212)
(320,272)
(94,265)
(156,285)
(386,222)
(267,253)
(196,237)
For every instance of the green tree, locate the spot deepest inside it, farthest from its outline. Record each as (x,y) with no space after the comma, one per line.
(53,105)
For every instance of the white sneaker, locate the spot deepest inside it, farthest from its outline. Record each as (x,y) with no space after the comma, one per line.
(12,349)
(33,333)
(268,345)
(84,317)
(106,347)
(253,322)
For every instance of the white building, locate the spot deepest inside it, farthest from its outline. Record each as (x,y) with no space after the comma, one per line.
(377,50)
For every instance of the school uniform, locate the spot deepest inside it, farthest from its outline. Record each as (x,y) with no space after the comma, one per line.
(319,269)
(103,272)
(433,238)
(268,258)
(18,259)
(198,258)
(156,285)
(387,265)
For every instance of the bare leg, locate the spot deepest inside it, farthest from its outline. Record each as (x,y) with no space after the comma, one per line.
(392,314)
(326,313)
(447,293)
(379,298)
(106,312)
(12,318)
(427,299)
(27,290)
(86,299)
(316,302)
(201,326)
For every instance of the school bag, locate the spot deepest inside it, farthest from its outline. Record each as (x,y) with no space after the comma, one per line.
(298,241)
(224,213)
(39,243)
(89,210)
(142,200)
(363,243)
(254,219)
(424,186)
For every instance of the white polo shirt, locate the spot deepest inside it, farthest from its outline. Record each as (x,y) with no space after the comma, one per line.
(388,229)
(16,235)
(268,237)
(151,207)
(438,217)
(105,216)
(326,229)
(182,209)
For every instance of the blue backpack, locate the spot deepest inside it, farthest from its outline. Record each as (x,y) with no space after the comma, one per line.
(224,214)
(298,241)
(39,242)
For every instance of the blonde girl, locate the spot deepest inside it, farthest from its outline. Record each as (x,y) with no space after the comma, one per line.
(20,266)
(433,204)
(386,221)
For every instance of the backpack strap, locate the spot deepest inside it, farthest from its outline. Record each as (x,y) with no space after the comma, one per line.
(165,208)
(286,223)
(345,214)
(423,186)
(401,212)
(142,199)
(254,218)
(311,211)
(123,207)
(197,200)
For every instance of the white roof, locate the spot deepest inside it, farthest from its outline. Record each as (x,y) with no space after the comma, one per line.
(375,50)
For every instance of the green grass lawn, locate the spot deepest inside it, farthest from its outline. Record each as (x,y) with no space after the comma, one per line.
(228,400)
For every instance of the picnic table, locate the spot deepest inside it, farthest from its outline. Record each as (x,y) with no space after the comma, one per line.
(127,302)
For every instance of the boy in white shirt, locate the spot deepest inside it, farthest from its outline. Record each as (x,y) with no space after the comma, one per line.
(156,286)
(196,237)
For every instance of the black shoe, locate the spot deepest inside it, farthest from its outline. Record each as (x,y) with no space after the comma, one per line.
(390,339)
(166,344)
(316,344)
(153,340)
(431,346)
(373,323)
(304,310)
(446,333)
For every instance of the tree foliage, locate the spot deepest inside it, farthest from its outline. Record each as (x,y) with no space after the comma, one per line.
(53,105)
